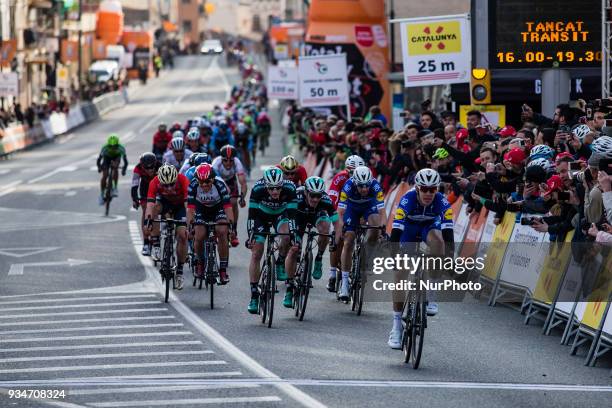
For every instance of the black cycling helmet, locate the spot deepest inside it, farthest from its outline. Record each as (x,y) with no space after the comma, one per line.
(228,152)
(199,158)
(148,160)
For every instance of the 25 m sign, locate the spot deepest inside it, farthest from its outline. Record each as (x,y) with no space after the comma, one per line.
(436,50)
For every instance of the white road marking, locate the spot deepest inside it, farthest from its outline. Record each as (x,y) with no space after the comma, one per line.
(91,328)
(101,346)
(115,355)
(17,269)
(29,316)
(113,366)
(70,193)
(4,171)
(122,378)
(109,319)
(129,136)
(52,173)
(68,299)
(9,188)
(97,336)
(196,401)
(130,390)
(82,305)
(25,251)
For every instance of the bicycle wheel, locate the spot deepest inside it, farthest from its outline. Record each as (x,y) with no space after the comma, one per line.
(305,284)
(407,330)
(167,278)
(271,290)
(108,193)
(356,281)
(297,290)
(211,272)
(263,292)
(418,333)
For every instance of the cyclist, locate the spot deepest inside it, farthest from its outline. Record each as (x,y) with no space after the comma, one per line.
(110,155)
(193,141)
(263,129)
(229,167)
(222,135)
(161,138)
(292,170)
(178,153)
(188,168)
(243,145)
(209,201)
(423,214)
(273,201)
(337,183)
(314,207)
(167,196)
(361,198)
(144,172)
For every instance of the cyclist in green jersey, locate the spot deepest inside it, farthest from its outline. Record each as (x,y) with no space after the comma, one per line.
(110,155)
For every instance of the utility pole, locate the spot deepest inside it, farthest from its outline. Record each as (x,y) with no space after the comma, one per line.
(79,65)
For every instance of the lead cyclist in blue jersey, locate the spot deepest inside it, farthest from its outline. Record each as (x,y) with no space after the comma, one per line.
(423,215)
(361,198)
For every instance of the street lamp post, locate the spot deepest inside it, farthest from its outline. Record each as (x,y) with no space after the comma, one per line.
(392,32)
(79,63)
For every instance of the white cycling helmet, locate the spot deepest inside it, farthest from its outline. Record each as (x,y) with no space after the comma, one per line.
(178,143)
(543,163)
(603,146)
(193,134)
(362,175)
(427,178)
(241,128)
(541,151)
(315,185)
(273,177)
(167,174)
(354,161)
(581,131)
(177,134)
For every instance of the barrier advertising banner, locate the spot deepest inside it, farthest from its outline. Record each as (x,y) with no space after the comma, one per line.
(436,50)
(282,82)
(323,80)
(9,84)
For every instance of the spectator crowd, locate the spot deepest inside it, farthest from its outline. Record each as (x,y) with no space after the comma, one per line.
(554,171)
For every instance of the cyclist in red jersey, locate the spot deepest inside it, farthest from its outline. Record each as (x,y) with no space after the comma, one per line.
(161,138)
(292,170)
(144,172)
(351,163)
(167,196)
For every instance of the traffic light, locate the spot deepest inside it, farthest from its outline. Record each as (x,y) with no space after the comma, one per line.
(480,86)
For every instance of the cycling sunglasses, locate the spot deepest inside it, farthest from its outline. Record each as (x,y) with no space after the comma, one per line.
(152,167)
(226,160)
(274,188)
(364,185)
(428,189)
(290,173)
(206,182)
(315,195)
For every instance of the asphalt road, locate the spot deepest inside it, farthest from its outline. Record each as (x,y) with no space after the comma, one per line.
(83,312)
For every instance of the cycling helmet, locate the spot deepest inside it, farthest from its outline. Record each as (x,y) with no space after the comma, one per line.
(543,163)
(178,134)
(288,163)
(241,128)
(167,174)
(204,172)
(148,160)
(427,178)
(228,152)
(581,131)
(273,177)
(196,121)
(199,158)
(223,124)
(193,134)
(248,120)
(175,126)
(541,151)
(362,175)
(113,140)
(162,127)
(314,185)
(352,162)
(603,146)
(178,143)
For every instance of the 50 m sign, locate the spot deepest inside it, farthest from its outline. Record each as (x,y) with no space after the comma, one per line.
(323,80)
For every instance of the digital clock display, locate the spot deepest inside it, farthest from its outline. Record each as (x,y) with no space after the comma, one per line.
(545,33)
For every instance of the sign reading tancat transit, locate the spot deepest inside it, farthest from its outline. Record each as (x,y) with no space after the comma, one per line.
(282,82)
(436,50)
(323,80)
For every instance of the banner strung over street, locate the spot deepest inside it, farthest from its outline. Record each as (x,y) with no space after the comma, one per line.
(282,82)
(436,50)
(323,80)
